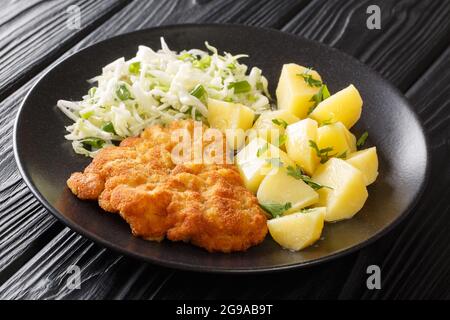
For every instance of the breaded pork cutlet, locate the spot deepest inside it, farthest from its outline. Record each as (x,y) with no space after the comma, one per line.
(205,204)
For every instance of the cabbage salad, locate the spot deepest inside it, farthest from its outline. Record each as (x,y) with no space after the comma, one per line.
(157,87)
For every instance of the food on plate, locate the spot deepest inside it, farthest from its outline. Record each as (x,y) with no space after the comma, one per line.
(298,146)
(346,190)
(205,204)
(296,87)
(367,162)
(336,139)
(257,165)
(158,87)
(280,188)
(230,115)
(299,230)
(272,124)
(344,106)
(257,159)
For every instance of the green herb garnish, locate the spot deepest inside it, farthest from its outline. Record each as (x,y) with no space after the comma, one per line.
(343,155)
(135,68)
(231,66)
(276,209)
(298,174)
(203,63)
(280,123)
(90,143)
(109,127)
(323,154)
(240,86)
(263,149)
(186,56)
(200,93)
(282,140)
(87,114)
(362,140)
(326,122)
(310,81)
(123,93)
(321,95)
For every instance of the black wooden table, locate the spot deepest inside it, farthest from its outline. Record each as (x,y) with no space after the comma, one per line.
(411,50)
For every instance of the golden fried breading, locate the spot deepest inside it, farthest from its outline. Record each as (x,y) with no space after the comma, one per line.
(205,204)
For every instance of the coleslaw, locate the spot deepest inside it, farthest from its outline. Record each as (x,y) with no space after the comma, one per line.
(157,87)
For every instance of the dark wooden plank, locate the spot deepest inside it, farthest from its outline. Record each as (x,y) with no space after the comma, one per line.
(34,33)
(415,257)
(47,275)
(135,16)
(413,33)
(418,264)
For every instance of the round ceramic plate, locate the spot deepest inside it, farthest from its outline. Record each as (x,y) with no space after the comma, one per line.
(46,159)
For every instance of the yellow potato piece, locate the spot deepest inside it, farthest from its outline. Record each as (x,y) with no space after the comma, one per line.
(254,167)
(281,188)
(229,117)
(266,129)
(344,106)
(348,193)
(297,144)
(336,136)
(298,230)
(367,162)
(293,93)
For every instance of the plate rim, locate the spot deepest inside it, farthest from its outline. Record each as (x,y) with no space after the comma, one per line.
(222,270)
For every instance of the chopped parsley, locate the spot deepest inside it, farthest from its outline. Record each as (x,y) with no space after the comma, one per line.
(310,81)
(280,123)
(321,95)
(263,149)
(298,174)
(362,140)
(323,154)
(276,209)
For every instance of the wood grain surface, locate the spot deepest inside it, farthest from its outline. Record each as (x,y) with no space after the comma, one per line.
(411,50)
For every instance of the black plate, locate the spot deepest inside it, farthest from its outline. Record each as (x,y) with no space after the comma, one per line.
(46,160)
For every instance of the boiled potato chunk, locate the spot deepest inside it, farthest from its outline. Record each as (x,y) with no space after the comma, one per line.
(297,144)
(282,188)
(344,106)
(265,128)
(293,93)
(230,116)
(348,189)
(298,230)
(367,162)
(336,136)
(254,162)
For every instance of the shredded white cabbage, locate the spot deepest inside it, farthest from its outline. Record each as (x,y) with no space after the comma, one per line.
(159,87)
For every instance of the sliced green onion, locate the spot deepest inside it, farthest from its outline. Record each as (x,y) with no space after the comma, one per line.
(135,68)
(87,114)
(109,127)
(123,93)
(93,143)
(240,86)
(203,63)
(200,93)
(186,56)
